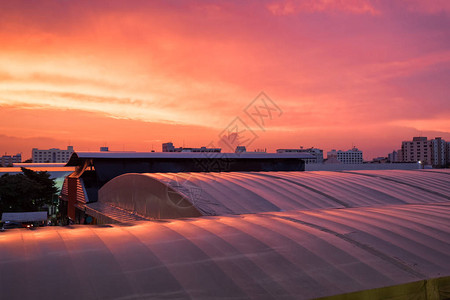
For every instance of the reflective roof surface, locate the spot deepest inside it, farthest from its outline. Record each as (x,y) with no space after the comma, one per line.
(292,235)
(173,195)
(296,254)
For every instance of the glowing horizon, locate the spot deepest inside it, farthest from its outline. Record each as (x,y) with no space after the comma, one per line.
(134,75)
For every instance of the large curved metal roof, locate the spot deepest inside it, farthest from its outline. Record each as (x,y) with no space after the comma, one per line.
(295,254)
(173,195)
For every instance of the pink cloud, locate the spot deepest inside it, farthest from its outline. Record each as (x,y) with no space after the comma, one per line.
(288,7)
(428,6)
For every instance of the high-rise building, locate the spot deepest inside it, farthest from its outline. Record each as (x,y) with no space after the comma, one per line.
(428,152)
(438,152)
(8,160)
(316,153)
(419,149)
(53,155)
(448,153)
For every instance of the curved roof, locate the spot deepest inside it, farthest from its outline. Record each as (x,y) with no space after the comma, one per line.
(172,195)
(295,254)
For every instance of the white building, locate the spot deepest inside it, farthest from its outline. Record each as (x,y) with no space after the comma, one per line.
(53,155)
(352,156)
(317,153)
(8,160)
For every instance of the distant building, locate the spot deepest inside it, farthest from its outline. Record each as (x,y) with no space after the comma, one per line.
(317,154)
(169,147)
(419,149)
(399,155)
(379,160)
(240,149)
(448,153)
(429,152)
(53,155)
(332,157)
(393,157)
(438,152)
(352,156)
(104,149)
(8,160)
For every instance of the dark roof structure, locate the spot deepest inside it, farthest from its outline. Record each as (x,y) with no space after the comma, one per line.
(111,164)
(94,169)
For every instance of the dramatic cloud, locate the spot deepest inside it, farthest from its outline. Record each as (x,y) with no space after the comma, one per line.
(370,73)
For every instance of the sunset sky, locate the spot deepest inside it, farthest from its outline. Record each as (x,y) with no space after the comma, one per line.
(134,74)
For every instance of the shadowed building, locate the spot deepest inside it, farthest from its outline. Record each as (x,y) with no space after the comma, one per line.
(94,169)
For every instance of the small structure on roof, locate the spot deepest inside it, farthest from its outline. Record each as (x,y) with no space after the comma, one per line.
(23,217)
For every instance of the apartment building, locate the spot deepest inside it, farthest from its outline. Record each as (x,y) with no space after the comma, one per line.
(352,156)
(8,160)
(53,155)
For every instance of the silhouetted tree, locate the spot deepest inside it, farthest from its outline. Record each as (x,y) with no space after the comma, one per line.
(27,191)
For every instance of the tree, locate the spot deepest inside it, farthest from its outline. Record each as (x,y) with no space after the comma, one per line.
(27,191)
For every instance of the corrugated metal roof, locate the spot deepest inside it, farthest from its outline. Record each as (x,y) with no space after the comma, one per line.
(155,194)
(295,254)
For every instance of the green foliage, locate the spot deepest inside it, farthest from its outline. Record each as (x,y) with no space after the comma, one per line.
(27,191)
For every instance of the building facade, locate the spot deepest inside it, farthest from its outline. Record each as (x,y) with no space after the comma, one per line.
(352,156)
(419,149)
(448,153)
(8,160)
(53,155)
(428,152)
(438,152)
(316,153)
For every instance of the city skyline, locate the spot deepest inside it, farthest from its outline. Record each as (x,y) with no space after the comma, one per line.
(134,75)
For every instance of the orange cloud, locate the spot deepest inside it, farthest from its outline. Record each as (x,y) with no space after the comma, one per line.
(133,71)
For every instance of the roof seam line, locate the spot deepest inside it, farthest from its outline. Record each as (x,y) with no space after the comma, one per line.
(308,188)
(362,246)
(400,182)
